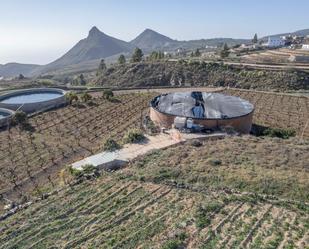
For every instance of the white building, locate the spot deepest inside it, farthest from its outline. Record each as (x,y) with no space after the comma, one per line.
(274,42)
(305,47)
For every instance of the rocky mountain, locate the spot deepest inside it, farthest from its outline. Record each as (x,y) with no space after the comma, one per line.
(150,40)
(14,69)
(96,46)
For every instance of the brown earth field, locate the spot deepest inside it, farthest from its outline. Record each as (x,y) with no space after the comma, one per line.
(236,192)
(32,158)
(115,212)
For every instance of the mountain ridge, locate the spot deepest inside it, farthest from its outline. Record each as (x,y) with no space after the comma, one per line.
(98,45)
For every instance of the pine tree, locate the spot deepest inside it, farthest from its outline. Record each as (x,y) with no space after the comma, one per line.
(197,53)
(137,55)
(82,80)
(255,39)
(225,51)
(102,67)
(122,59)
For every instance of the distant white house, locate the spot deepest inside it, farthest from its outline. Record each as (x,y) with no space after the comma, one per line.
(274,41)
(305,47)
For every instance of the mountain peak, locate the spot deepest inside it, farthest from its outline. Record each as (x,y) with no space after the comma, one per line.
(149,31)
(151,40)
(94,30)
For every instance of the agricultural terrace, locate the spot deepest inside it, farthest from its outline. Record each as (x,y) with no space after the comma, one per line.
(34,156)
(114,213)
(31,159)
(277,110)
(264,165)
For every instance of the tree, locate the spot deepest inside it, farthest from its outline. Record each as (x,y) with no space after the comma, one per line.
(102,67)
(156,55)
(21,77)
(224,51)
(197,53)
(137,55)
(255,39)
(79,80)
(122,59)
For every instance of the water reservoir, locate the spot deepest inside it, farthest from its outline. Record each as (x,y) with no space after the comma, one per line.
(5,116)
(33,100)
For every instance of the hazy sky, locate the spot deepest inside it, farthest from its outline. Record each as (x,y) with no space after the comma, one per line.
(39,31)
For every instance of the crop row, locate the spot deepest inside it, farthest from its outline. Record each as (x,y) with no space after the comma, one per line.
(63,136)
(278,110)
(126,214)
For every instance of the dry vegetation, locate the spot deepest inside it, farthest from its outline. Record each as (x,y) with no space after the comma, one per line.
(236,192)
(268,166)
(114,213)
(278,110)
(31,158)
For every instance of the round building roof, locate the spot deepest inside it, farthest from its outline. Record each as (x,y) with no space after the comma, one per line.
(202,105)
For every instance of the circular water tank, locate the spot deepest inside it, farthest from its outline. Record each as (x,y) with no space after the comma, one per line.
(33,100)
(211,110)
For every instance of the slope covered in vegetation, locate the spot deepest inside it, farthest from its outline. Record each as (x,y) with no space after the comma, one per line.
(184,73)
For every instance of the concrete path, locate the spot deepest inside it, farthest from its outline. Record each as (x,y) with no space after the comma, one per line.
(116,159)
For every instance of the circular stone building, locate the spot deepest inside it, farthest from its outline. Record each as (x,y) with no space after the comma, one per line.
(211,110)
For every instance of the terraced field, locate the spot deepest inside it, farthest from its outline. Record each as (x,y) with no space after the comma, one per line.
(278,110)
(113,213)
(30,159)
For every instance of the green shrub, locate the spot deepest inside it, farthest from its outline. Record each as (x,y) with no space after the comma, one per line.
(111,145)
(107,94)
(85,97)
(133,136)
(71,96)
(171,244)
(202,214)
(281,133)
(20,118)
(86,170)
(214,162)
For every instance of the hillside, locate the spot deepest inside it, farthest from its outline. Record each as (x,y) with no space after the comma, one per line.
(96,46)
(157,203)
(99,45)
(184,73)
(234,192)
(14,69)
(150,40)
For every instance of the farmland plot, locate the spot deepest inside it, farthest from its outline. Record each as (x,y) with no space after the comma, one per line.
(278,110)
(113,213)
(63,136)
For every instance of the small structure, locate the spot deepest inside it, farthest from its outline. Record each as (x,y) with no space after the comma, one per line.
(274,41)
(209,110)
(305,46)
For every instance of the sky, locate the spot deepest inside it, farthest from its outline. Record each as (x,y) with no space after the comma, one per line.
(40,31)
